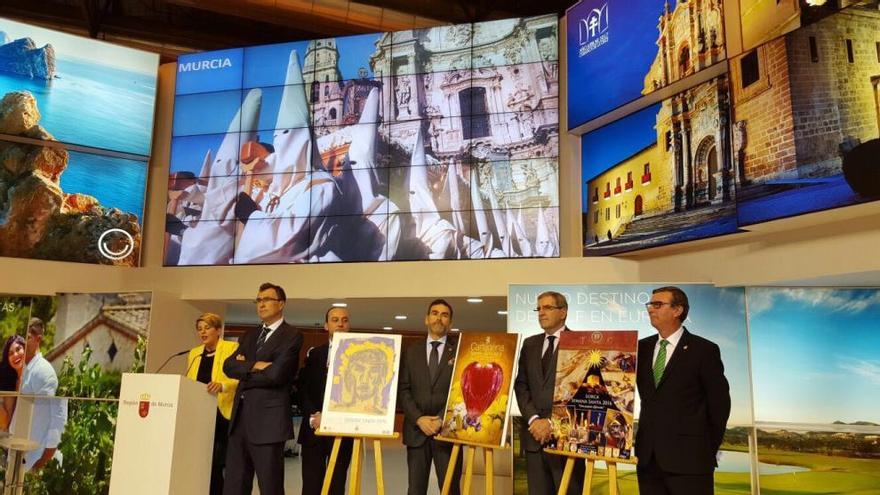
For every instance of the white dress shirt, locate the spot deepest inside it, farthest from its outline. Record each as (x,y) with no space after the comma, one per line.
(670,347)
(440,347)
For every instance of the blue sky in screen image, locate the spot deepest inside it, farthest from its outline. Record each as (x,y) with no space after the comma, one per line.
(205,113)
(609,145)
(354,53)
(188,152)
(614,73)
(266,65)
(206,72)
(815,354)
(717,314)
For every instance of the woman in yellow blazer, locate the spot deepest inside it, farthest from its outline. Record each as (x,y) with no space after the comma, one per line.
(205,364)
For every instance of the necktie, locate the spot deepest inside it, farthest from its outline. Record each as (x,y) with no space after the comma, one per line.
(434,360)
(547,358)
(660,363)
(262,338)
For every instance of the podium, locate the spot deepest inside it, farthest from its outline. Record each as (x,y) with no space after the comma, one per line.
(164,436)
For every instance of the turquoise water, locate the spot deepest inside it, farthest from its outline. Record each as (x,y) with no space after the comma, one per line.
(117,183)
(93,105)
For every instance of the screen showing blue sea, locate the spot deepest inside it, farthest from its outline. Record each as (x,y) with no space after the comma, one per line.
(87,92)
(114,182)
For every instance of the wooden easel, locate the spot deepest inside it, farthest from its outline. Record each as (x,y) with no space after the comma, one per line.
(488,459)
(591,459)
(357,463)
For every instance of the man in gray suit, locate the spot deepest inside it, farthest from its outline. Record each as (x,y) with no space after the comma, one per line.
(534,394)
(425,373)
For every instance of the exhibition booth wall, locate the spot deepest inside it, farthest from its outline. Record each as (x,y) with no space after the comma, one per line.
(831,248)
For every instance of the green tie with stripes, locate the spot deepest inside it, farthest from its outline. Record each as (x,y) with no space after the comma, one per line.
(660,363)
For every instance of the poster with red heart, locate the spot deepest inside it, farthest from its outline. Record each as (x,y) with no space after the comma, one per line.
(594,394)
(482,381)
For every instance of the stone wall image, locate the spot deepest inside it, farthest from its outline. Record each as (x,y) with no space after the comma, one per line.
(37,218)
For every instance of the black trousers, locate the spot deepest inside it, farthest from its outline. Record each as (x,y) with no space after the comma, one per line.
(418,461)
(544,473)
(218,460)
(655,481)
(314,465)
(244,459)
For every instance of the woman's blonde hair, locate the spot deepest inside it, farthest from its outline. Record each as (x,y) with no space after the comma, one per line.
(212,320)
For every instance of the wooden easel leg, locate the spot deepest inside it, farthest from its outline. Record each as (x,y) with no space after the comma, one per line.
(331,465)
(490,471)
(588,477)
(354,478)
(468,471)
(380,481)
(612,477)
(566,476)
(447,479)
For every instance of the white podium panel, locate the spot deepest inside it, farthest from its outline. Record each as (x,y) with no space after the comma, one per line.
(164,436)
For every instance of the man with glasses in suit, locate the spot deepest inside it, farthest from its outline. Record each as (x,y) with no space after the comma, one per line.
(534,386)
(265,365)
(685,402)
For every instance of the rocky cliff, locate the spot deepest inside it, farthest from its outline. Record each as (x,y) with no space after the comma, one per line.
(23,58)
(37,218)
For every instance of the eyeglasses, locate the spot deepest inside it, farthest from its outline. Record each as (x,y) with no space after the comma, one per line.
(265,299)
(547,308)
(657,304)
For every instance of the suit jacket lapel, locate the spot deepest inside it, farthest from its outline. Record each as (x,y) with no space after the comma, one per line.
(677,356)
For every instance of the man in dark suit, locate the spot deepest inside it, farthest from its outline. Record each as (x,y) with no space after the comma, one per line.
(685,402)
(425,374)
(316,450)
(533,386)
(265,365)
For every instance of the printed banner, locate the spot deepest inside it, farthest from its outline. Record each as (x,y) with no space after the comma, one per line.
(361,393)
(479,397)
(595,392)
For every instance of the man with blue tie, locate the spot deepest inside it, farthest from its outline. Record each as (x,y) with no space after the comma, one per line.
(265,365)
(425,374)
(685,402)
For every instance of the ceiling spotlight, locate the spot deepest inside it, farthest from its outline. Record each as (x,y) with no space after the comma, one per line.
(340,305)
(400,317)
(474,300)
(387,328)
(502,312)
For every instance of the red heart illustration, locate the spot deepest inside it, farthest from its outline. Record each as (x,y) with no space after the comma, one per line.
(480,384)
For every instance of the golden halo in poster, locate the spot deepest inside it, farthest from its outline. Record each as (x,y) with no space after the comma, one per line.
(594,394)
(361,392)
(479,396)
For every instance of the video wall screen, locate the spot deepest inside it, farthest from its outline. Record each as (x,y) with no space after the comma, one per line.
(791,128)
(765,20)
(436,143)
(806,118)
(619,52)
(661,175)
(56,202)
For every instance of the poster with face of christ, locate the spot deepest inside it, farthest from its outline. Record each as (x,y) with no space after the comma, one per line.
(361,392)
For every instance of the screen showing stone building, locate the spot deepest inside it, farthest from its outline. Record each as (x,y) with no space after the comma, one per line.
(435,143)
(805,109)
(661,175)
(621,51)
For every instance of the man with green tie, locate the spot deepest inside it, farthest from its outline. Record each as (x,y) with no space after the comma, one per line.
(685,402)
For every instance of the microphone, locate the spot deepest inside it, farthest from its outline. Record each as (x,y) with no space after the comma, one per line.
(181,353)
(186,373)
